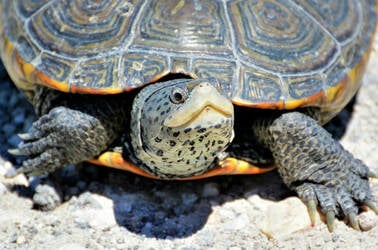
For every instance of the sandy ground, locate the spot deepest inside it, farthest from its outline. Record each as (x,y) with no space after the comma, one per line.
(110,209)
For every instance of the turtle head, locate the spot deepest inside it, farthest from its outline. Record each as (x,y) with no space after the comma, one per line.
(180,127)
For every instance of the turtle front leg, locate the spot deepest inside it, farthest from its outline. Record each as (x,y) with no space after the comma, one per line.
(317,167)
(77,129)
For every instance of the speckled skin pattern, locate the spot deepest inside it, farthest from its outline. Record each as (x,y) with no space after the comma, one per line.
(182,151)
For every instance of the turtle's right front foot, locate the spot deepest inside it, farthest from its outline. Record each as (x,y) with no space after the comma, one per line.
(61,137)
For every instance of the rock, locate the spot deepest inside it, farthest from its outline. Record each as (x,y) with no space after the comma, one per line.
(46,197)
(238,223)
(3,189)
(146,230)
(4,167)
(367,220)
(210,190)
(97,214)
(226,214)
(11,176)
(20,239)
(88,200)
(188,199)
(10,172)
(279,219)
(82,223)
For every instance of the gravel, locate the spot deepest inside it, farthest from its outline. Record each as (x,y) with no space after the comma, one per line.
(109,209)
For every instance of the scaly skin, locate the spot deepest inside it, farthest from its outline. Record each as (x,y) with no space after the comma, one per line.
(316,166)
(71,129)
(179,139)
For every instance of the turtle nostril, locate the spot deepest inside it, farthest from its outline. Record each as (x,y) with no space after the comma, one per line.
(204,84)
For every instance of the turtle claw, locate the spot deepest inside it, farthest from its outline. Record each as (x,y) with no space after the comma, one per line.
(330,217)
(61,137)
(15,151)
(311,207)
(20,170)
(26,136)
(370,204)
(353,221)
(372,174)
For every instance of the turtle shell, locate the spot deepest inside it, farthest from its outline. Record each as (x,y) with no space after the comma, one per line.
(266,54)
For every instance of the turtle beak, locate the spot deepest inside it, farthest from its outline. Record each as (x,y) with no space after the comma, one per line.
(204,97)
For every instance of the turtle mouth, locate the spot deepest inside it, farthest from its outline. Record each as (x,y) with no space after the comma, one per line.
(206,106)
(208,117)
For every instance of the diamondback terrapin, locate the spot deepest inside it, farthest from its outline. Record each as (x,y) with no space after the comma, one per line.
(187,89)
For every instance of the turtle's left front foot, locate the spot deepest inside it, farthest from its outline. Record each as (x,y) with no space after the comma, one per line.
(319,169)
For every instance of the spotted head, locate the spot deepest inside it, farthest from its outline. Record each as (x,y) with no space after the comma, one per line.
(180,127)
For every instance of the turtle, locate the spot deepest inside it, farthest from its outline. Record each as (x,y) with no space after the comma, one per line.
(187,89)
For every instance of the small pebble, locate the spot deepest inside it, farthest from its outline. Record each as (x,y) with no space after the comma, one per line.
(367,220)
(3,189)
(284,217)
(10,172)
(238,223)
(210,190)
(20,239)
(146,230)
(8,165)
(87,200)
(82,223)
(189,199)
(4,167)
(124,207)
(46,197)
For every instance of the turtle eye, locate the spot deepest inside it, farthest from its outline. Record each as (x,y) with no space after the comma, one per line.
(178,95)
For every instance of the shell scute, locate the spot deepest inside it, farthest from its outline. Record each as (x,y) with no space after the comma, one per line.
(265,54)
